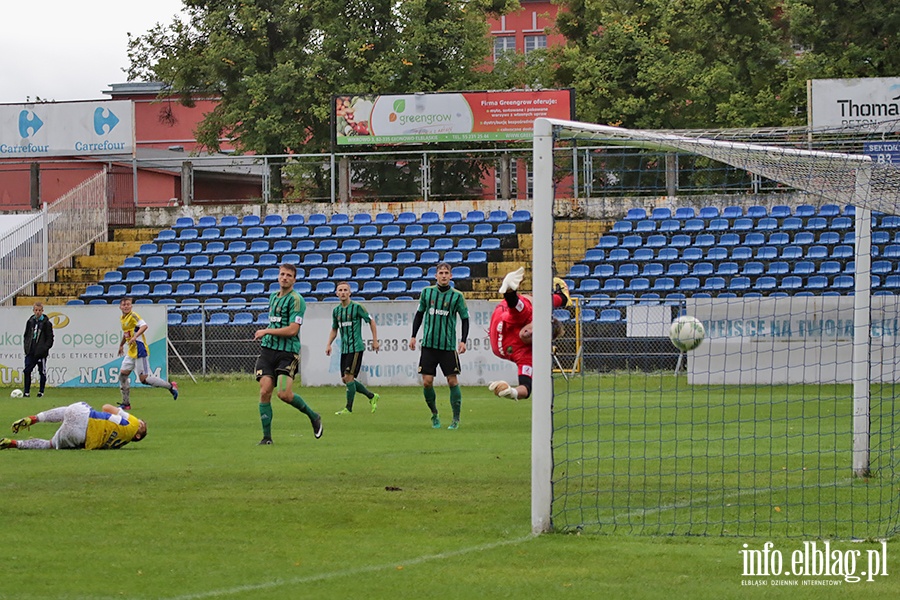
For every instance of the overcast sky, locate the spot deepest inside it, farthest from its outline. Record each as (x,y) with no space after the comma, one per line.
(70,49)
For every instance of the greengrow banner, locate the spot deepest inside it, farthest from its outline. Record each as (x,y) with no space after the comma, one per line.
(447,117)
(66,129)
(85,344)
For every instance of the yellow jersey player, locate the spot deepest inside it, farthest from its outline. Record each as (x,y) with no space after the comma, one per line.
(82,427)
(138,355)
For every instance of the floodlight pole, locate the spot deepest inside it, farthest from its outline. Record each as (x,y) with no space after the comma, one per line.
(862,304)
(542,277)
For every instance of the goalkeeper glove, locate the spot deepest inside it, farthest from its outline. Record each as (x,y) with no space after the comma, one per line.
(512,280)
(7,443)
(560,287)
(23,423)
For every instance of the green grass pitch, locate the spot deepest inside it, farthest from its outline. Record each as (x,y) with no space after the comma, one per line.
(383,506)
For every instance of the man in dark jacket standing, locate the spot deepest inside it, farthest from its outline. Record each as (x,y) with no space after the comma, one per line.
(38,341)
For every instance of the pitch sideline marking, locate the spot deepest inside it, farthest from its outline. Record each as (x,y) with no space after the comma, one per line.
(350,572)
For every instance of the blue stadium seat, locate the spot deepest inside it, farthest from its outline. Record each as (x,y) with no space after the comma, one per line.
(476,257)
(371,287)
(714,284)
(632,241)
(342,273)
(842,283)
(663,284)
(338,219)
(661,213)
(429,217)
(702,269)
(411,272)
(718,224)
(829,267)
(475,216)
(842,223)
(678,269)
(656,241)
(817,282)
(683,213)
(382,258)
(226,274)
(638,285)
(298,232)
(752,268)
(627,270)
(520,216)
(816,253)
(729,239)
(388,272)
(322,231)
(317,273)
(709,212)
(778,268)
(182,222)
(395,287)
(613,284)
(482,230)
(693,225)
(608,315)
(738,284)
(405,258)
(727,269)
(705,240)
(208,288)
(174,319)
(780,212)
(497,216)
(646,226)
(829,238)
(358,258)
(688,284)
(756,212)
(765,284)
(147,249)
(732,212)
(365,273)
(636,214)
(642,255)
(669,225)
(429,258)
(505,229)
(791,283)
(219,260)
(248,274)
(406,217)
(452,216)
(335,258)
(313,258)
(652,269)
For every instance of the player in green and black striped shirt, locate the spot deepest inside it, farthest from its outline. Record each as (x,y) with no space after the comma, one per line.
(279,357)
(347,317)
(439,306)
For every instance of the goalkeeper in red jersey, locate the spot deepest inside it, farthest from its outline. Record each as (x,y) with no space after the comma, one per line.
(511,330)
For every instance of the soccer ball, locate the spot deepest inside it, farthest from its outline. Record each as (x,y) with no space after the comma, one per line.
(686,333)
(16,393)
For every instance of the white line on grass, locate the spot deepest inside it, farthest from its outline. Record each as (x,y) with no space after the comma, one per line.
(350,572)
(708,500)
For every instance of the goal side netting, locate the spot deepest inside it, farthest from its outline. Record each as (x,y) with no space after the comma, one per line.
(782,422)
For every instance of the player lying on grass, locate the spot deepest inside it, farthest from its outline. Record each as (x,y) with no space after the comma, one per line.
(82,427)
(511,330)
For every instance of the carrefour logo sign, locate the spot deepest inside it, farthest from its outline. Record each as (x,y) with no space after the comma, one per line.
(66,129)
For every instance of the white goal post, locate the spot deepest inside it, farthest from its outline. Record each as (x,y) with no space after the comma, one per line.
(841,178)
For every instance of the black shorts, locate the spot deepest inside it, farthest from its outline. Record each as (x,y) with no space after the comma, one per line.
(351,363)
(431,358)
(272,363)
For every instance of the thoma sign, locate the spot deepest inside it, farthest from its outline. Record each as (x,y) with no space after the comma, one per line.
(872,102)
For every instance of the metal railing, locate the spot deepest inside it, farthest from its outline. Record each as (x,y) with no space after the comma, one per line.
(51,237)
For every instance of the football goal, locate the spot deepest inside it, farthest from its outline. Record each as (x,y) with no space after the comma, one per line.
(782,422)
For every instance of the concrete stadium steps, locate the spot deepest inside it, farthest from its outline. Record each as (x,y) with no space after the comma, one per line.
(576,237)
(68,283)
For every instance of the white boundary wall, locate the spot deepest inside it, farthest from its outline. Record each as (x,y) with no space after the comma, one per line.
(396,364)
(85,346)
(790,340)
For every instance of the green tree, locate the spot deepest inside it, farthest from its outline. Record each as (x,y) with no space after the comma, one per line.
(276,64)
(675,63)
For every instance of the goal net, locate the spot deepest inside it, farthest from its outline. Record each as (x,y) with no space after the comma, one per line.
(782,422)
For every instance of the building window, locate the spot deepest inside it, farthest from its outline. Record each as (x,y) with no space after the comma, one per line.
(504,44)
(535,42)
